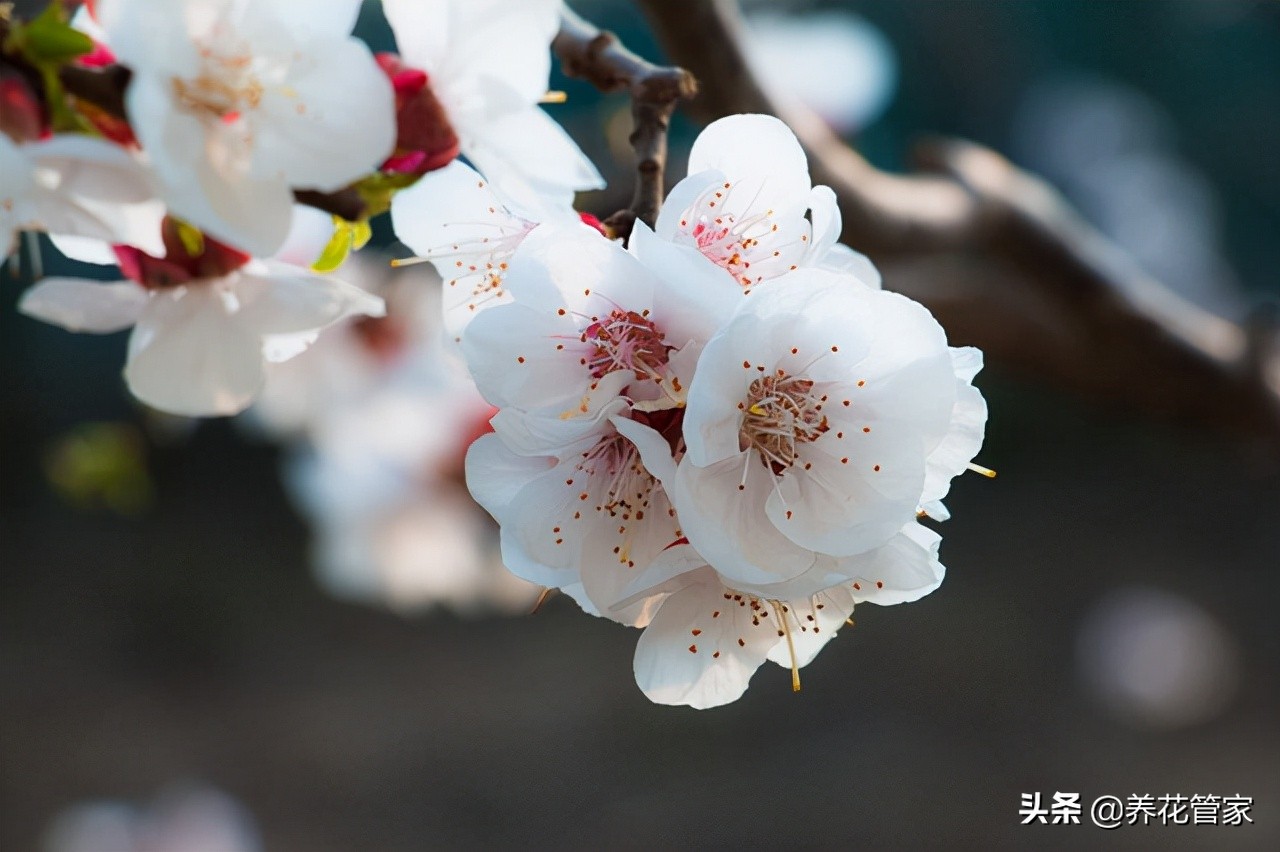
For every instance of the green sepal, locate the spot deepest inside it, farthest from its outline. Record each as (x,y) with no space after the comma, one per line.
(347,237)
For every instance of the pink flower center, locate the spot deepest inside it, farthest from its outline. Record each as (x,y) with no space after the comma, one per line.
(749,244)
(626,340)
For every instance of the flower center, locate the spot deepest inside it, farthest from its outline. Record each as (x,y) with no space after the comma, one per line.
(627,485)
(751,244)
(225,88)
(780,413)
(626,340)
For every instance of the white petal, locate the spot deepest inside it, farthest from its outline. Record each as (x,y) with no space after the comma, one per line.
(278,348)
(155,37)
(204,172)
(848,494)
(964,435)
(190,354)
(495,475)
(305,22)
(681,197)
(905,569)
(701,649)
(85,249)
(330,122)
(279,299)
(813,622)
(17,180)
(454,218)
(841,258)
(529,146)
(728,524)
(755,148)
(695,297)
(93,188)
(456,40)
(78,304)
(309,233)
(555,432)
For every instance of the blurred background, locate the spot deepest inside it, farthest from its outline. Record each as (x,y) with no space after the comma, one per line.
(187,642)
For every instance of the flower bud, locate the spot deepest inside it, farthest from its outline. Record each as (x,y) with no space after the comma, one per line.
(425,140)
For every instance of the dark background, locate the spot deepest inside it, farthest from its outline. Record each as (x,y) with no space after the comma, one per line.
(190,643)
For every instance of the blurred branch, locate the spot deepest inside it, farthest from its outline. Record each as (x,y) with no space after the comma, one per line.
(1002,260)
(598,57)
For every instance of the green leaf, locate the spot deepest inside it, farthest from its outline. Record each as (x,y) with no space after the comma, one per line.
(49,39)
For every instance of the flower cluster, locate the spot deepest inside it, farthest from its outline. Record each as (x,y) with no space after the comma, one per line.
(231,111)
(725,433)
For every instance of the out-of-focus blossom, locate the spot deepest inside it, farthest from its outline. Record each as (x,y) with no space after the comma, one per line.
(834,62)
(79,187)
(380,415)
(194,820)
(1112,151)
(238,103)
(1157,660)
(205,321)
(487,63)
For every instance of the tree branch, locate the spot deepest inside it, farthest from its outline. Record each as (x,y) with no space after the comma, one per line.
(1003,261)
(598,57)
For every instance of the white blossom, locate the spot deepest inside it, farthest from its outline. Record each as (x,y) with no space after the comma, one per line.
(819,421)
(748,208)
(487,63)
(199,348)
(237,103)
(469,231)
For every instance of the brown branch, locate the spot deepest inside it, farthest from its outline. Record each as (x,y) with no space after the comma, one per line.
(598,57)
(1002,259)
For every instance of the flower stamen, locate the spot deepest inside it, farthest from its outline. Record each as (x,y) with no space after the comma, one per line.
(780,413)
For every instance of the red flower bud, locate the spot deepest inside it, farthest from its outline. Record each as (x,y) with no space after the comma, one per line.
(22,118)
(425,139)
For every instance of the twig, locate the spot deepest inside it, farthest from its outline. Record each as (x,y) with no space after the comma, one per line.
(1002,259)
(599,58)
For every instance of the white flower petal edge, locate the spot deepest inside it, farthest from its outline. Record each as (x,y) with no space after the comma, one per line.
(707,640)
(80,187)
(78,304)
(964,436)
